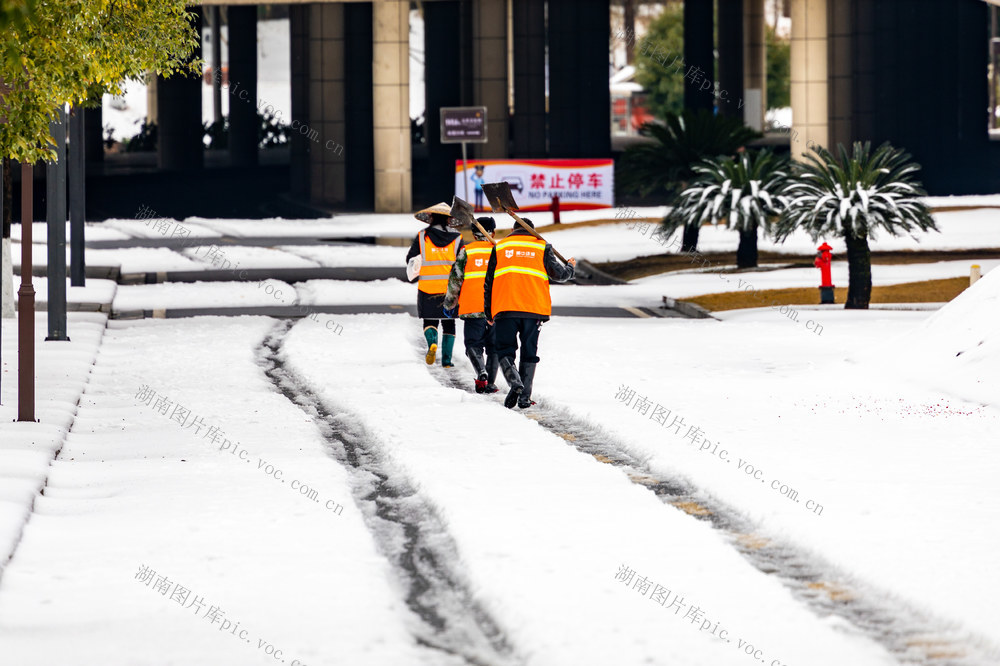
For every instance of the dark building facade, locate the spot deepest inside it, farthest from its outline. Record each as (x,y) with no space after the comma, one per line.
(911,72)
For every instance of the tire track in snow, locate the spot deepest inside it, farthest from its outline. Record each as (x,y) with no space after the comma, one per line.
(908,633)
(406,528)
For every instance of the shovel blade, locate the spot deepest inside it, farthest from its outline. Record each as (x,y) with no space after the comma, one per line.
(499,195)
(462,214)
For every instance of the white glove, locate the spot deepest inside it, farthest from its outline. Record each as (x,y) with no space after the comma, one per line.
(413,268)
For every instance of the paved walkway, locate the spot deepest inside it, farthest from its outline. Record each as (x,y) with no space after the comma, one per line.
(299,311)
(180,243)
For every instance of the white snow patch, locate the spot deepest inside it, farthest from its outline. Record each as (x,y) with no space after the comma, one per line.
(204,295)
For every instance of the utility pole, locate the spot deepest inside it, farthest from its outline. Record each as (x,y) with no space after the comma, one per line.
(6,282)
(6,268)
(215,16)
(629,7)
(77,196)
(55,214)
(26,307)
(3,223)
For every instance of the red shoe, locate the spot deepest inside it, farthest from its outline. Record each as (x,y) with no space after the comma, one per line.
(480,386)
(491,388)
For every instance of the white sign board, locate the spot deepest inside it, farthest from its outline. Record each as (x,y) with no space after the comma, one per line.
(580,184)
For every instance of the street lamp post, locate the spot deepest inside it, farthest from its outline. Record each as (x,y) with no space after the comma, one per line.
(55,214)
(26,307)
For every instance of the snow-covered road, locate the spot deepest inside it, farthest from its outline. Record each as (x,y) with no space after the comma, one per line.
(478,533)
(240,490)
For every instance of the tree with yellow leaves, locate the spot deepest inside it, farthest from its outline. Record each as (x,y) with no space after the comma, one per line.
(74,51)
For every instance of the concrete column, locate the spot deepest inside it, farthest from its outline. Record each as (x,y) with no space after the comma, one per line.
(731,53)
(489,78)
(390,101)
(359,141)
(94,134)
(178,109)
(629,28)
(243,126)
(151,103)
(215,18)
(867,95)
(326,128)
(299,145)
(699,45)
(442,69)
(579,97)
(528,124)
(810,73)
(754,59)
(841,71)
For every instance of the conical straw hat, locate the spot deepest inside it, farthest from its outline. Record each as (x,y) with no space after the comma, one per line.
(439,208)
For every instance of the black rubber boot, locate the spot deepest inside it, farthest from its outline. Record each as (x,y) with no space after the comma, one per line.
(477,364)
(513,379)
(527,372)
(492,366)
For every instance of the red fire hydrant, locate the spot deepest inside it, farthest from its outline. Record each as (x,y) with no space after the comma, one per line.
(823,260)
(554,207)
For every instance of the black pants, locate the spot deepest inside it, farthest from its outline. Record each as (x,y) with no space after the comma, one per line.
(478,336)
(447,325)
(508,329)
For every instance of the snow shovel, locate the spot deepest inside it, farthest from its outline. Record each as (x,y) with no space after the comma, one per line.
(462,216)
(502,201)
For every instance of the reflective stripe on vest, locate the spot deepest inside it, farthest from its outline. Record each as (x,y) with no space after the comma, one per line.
(520,281)
(477,257)
(436,263)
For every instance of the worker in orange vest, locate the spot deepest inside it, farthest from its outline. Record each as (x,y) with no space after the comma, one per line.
(517,299)
(465,290)
(437,248)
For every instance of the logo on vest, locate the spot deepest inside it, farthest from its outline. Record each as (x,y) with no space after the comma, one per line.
(479,262)
(509,253)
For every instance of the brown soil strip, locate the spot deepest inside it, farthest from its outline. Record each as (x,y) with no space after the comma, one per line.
(953,209)
(929,291)
(505,221)
(666,263)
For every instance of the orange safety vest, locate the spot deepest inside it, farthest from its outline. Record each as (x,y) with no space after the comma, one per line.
(520,281)
(436,263)
(477,256)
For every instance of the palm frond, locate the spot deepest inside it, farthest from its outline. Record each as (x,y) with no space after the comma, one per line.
(857,193)
(744,193)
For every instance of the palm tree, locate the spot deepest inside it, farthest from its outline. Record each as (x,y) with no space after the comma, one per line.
(666,163)
(854,196)
(743,193)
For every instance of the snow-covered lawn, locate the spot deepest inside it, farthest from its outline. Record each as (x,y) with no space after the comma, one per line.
(204,295)
(620,241)
(644,292)
(97,291)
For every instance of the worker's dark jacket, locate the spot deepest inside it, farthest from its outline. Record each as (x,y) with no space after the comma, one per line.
(556,270)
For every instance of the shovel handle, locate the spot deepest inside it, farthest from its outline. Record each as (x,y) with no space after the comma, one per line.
(535,234)
(483,231)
